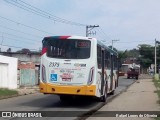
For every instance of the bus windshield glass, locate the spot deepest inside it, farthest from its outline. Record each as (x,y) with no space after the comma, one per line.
(67,48)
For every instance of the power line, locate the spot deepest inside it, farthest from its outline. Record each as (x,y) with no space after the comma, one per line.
(27,9)
(25,6)
(104,35)
(55,17)
(15,40)
(18,40)
(100,29)
(18,23)
(135,41)
(26,42)
(19,36)
(19,31)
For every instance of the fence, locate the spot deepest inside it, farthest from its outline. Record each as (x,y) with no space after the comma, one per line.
(28,74)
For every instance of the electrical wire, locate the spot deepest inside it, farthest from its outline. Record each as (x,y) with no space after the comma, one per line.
(102,31)
(29,42)
(18,36)
(19,31)
(55,17)
(18,23)
(25,6)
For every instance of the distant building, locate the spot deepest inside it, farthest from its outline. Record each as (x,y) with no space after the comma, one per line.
(8,72)
(28,67)
(24,57)
(130,60)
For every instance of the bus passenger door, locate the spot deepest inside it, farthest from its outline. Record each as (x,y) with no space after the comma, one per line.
(111,85)
(103,65)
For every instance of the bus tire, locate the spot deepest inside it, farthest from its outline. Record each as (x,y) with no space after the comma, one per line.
(112,93)
(64,98)
(115,84)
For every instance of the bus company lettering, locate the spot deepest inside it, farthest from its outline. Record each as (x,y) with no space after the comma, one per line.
(66,71)
(80,75)
(79,65)
(25,114)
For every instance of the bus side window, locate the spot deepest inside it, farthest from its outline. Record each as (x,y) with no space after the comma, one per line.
(107,59)
(115,64)
(63,53)
(99,57)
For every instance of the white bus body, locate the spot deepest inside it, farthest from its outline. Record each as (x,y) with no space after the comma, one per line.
(79,73)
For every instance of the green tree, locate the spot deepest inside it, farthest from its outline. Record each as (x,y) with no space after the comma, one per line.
(134,53)
(122,55)
(146,57)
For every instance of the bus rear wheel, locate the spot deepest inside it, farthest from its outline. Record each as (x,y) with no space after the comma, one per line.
(64,98)
(104,97)
(112,93)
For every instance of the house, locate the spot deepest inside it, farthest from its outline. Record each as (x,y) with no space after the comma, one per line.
(27,68)
(8,72)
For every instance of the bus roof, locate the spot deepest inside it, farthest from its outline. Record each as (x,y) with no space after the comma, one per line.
(85,38)
(108,48)
(70,37)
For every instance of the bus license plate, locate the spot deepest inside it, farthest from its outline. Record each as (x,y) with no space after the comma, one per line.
(66,79)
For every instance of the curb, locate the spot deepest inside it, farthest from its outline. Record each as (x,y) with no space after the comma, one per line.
(10,96)
(16,95)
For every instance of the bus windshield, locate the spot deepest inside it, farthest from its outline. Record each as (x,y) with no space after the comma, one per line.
(67,48)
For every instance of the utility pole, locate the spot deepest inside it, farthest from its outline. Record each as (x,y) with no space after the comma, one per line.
(89,28)
(155,64)
(156,42)
(112,43)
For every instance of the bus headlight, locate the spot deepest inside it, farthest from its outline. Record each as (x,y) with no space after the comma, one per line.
(91,75)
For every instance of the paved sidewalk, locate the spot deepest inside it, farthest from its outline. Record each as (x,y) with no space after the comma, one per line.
(140,96)
(28,90)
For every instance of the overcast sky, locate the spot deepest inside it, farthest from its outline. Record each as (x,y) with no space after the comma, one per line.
(132,22)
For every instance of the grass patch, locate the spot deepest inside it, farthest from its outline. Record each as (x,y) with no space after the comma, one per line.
(7,92)
(158,118)
(157,84)
(158,92)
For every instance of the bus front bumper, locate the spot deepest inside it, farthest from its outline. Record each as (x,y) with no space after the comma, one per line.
(72,90)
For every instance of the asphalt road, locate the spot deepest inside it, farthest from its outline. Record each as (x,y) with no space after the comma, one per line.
(39,102)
